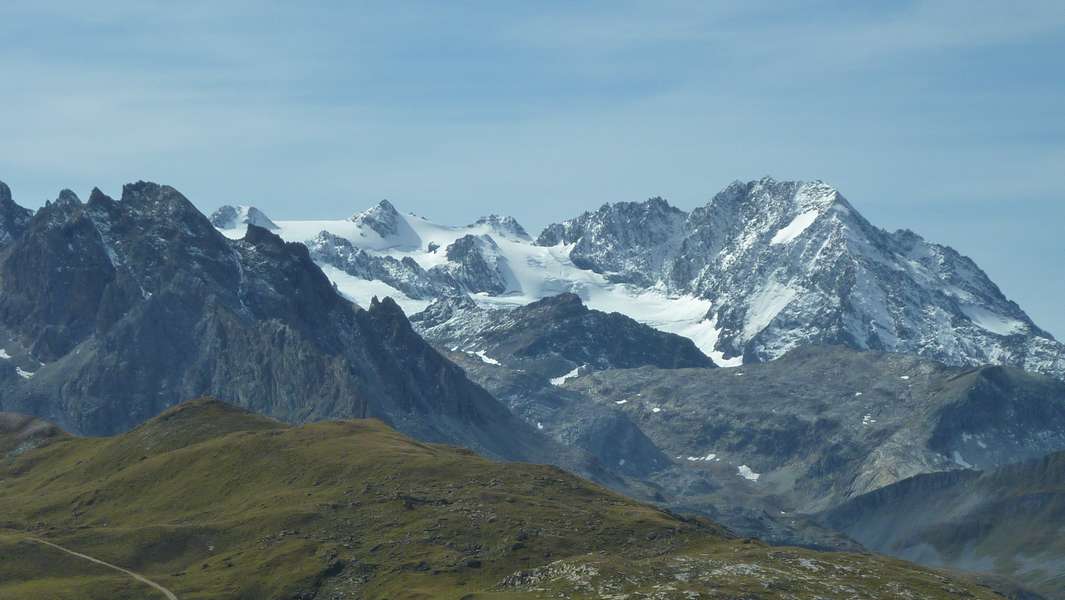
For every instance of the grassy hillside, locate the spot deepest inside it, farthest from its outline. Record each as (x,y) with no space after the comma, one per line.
(212,502)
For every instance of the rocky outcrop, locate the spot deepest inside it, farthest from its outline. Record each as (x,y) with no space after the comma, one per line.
(13,218)
(504,226)
(629,241)
(475,262)
(403,274)
(234,217)
(556,336)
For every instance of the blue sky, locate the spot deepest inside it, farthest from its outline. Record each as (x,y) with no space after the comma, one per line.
(945,117)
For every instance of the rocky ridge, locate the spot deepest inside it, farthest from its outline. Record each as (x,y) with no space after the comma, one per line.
(788,264)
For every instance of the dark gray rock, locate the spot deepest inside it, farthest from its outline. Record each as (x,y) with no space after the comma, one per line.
(383,219)
(233,217)
(475,262)
(601,431)
(403,274)
(522,354)
(629,241)
(507,227)
(13,218)
(822,425)
(555,336)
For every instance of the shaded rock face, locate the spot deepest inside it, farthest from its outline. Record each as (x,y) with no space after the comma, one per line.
(505,226)
(13,218)
(111,311)
(232,217)
(476,264)
(523,356)
(555,336)
(383,219)
(628,240)
(403,274)
(606,434)
(823,425)
(997,521)
(788,264)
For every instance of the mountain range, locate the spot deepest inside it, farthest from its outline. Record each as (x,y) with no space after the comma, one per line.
(855,360)
(764,267)
(112,311)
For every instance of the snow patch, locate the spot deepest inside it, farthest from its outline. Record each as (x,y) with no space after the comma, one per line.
(362,291)
(765,305)
(485,358)
(992,321)
(795,228)
(705,333)
(24,374)
(745,472)
(868,420)
(3,354)
(571,375)
(237,226)
(960,461)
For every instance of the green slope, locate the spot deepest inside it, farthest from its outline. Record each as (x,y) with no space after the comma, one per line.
(213,502)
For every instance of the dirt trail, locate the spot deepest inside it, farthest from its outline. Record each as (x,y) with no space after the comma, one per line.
(169,595)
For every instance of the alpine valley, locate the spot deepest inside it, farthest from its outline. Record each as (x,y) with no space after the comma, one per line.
(769,365)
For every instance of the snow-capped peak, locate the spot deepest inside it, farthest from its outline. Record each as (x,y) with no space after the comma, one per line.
(383,227)
(504,226)
(382,218)
(763,267)
(238,217)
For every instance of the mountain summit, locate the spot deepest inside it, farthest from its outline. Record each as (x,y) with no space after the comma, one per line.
(764,267)
(794,263)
